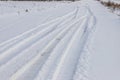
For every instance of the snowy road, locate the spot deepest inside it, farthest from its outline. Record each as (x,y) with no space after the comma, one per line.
(50,51)
(53,42)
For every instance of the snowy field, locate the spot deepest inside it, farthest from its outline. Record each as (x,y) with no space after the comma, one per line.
(58,41)
(11,7)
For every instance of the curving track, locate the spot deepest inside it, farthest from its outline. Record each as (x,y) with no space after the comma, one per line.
(51,51)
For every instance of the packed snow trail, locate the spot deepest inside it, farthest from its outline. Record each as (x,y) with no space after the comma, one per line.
(50,51)
(26,42)
(4,70)
(49,47)
(9,43)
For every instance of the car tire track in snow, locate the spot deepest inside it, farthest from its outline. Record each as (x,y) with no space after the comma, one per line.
(51,51)
(82,64)
(32,69)
(17,48)
(51,62)
(4,67)
(7,44)
(45,53)
(66,65)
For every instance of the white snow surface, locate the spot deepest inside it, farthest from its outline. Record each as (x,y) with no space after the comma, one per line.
(58,41)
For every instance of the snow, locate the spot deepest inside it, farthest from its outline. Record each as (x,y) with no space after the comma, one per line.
(105,45)
(58,41)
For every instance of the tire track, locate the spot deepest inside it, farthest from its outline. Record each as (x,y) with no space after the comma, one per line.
(7,72)
(52,51)
(67,62)
(7,44)
(50,64)
(82,67)
(13,51)
(35,64)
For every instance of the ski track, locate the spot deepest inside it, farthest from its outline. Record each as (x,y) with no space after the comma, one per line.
(50,51)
